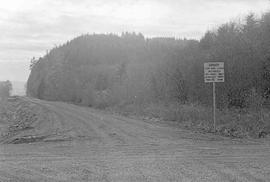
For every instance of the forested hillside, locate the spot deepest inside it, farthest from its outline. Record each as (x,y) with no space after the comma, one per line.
(104,70)
(100,70)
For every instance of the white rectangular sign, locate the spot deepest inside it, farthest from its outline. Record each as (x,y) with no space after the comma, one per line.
(213,72)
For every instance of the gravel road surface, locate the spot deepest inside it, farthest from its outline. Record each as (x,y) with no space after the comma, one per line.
(83,144)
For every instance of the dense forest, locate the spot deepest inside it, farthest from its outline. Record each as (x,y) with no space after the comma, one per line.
(106,69)
(101,70)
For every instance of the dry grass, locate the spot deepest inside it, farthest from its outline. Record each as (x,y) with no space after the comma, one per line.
(232,123)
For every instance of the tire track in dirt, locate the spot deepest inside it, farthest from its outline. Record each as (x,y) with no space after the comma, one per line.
(135,132)
(109,133)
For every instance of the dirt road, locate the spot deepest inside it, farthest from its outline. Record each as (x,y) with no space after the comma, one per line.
(82,144)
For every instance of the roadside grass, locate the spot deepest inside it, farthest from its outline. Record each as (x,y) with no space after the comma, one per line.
(240,123)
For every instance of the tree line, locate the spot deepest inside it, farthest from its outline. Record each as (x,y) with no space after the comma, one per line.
(5,89)
(103,70)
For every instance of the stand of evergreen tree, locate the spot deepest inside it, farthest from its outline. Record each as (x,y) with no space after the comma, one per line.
(106,69)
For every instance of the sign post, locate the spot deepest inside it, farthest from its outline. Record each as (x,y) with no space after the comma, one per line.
(214,72)
(214,105)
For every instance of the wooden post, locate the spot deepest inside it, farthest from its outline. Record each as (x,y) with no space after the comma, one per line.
(214,105)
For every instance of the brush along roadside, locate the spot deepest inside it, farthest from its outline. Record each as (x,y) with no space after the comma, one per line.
(239,123)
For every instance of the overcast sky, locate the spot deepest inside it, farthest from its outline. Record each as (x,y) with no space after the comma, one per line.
(30,27)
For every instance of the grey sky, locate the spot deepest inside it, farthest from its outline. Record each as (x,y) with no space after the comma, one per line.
(30,27)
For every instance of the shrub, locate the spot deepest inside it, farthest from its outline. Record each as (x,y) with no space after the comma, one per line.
(5,89)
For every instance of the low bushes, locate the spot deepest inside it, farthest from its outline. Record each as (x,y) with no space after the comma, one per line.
(242,123)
